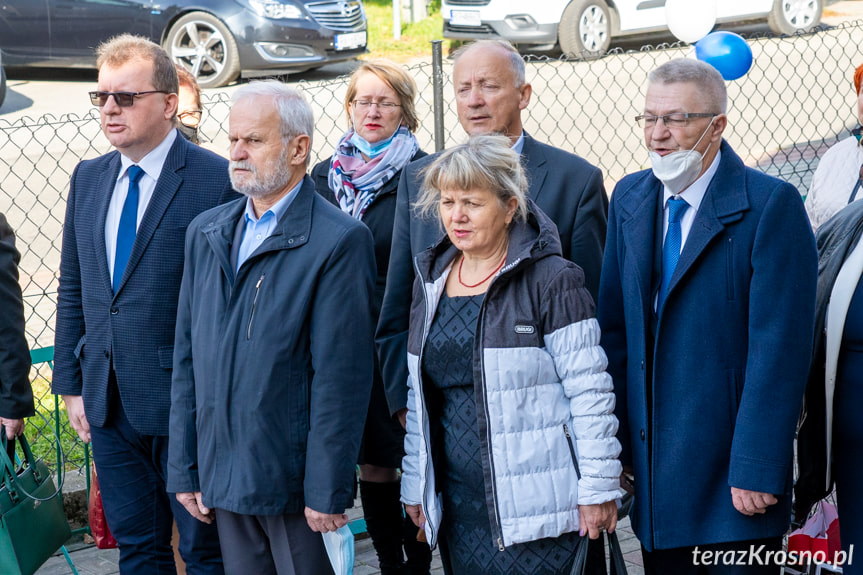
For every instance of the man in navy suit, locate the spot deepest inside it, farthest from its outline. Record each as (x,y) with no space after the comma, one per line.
(706,305)
(120,273)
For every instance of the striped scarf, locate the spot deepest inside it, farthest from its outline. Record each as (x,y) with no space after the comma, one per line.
(356,182)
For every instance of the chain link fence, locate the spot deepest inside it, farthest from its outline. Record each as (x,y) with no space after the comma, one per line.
(795,102)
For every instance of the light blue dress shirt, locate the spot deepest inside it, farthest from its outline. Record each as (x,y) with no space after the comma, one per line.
(259,229)
(519,144)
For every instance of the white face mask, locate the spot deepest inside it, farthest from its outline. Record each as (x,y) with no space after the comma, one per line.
(678,170)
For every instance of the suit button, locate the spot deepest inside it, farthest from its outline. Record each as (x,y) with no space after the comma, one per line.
(115,310)
(642,365)
(107,354)
(642,435)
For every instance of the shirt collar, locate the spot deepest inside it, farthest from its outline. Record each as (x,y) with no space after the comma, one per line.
(694,194)
(153,162)
(277,210)
(519,144)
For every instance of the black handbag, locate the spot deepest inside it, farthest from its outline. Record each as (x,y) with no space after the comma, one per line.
(618,565)
(32,523)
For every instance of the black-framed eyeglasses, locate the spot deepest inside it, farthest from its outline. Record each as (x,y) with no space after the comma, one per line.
(366,104)
(122,99)
(675,120)
(190,118)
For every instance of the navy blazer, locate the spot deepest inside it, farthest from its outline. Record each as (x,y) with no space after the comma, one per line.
(566,187)
(16,396)
(133,328)
(731,353)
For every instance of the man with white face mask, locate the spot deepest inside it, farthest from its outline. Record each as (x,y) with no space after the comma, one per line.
(706,306)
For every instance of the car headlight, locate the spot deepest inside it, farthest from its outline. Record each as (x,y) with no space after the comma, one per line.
(274,9)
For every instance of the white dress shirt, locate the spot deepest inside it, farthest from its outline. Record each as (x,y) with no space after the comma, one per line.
(152,165)
(693,195)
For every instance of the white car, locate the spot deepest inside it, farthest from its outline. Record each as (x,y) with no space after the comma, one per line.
(578,26)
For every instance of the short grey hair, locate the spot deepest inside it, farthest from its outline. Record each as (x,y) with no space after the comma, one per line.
(294,111)
(702,74)
(484,162)
(515,60)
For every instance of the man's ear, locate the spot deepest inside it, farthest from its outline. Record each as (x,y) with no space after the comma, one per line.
(526,90)
(300,148)
(718,127)
(172,101)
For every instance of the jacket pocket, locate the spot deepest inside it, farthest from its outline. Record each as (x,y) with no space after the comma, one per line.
(729,281)
(79,347)
(254,305)
(569,440)
(166,357)
(735,392)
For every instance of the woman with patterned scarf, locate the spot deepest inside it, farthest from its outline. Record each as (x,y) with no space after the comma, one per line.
(362,178)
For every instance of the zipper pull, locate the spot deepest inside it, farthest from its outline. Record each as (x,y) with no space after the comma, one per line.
(258,285)
(499,544)
(566,431)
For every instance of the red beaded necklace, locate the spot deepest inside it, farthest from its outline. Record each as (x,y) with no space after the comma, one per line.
(488,277)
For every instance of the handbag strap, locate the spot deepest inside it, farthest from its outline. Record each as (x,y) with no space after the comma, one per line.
(579,565)
(11,474)
(618,564)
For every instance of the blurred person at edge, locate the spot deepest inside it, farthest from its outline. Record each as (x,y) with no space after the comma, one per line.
(274,349)
(189,110)
(706,305)
(361,178)
(510,447)
(838,180)
(830,440)
(16,395)
(120,272)
(491,93)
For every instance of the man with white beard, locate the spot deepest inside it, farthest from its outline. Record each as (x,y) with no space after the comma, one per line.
(274,349)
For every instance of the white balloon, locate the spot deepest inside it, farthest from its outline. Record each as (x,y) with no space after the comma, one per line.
(690,20)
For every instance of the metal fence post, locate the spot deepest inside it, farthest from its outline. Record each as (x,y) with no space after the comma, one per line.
(437,85)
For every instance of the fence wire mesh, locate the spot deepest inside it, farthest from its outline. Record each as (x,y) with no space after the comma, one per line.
(795,102)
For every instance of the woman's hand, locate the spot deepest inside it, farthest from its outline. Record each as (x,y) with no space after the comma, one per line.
(593,518)
(415,512)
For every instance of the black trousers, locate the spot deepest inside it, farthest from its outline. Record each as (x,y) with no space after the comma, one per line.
(734,558)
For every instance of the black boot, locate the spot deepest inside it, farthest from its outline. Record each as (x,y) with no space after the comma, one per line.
(419,554)
(382,511)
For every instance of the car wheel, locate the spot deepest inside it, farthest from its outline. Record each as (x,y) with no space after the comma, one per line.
(205,47)
(585,28)
(789,16)
(2,86)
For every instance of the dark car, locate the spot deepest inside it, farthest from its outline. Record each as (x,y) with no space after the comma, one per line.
(216,40)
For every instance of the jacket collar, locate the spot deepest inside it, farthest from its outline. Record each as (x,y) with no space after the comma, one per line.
(725,202)
(292,231)
(535,165)
(167,186)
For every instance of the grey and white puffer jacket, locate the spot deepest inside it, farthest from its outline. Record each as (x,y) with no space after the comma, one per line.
(547,421)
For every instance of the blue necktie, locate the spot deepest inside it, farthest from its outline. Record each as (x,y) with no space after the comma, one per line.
(671,247)
(128,226)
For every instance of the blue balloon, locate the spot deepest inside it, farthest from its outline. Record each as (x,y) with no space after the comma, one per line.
(725,51)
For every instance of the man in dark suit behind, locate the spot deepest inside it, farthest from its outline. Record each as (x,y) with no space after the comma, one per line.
(120,273)
(706,305)
(16,396)
(490,92)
